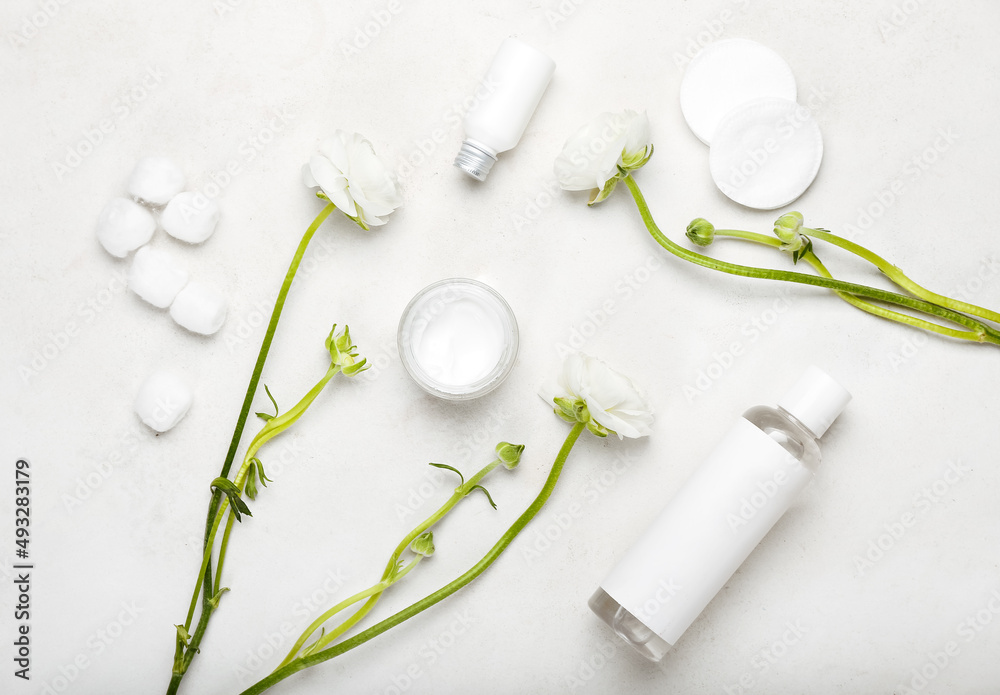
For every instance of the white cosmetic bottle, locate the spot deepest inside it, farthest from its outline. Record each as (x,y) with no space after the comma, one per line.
(513,86)
(718,517)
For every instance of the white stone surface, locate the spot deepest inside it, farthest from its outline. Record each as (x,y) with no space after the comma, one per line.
(123,226)
(907,101)
(163,400)
(156,276)
(190,217)
(200,308)
(155,180)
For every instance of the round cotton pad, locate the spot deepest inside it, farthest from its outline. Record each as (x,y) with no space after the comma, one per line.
(726,74)
(766,153)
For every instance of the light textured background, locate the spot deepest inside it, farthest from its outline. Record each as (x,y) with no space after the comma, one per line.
(118,512)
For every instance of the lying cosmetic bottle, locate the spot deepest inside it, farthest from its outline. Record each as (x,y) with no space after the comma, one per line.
(718,517)
(457,339)
(512,88)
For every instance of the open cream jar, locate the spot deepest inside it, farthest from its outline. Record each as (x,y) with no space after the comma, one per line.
(458,339)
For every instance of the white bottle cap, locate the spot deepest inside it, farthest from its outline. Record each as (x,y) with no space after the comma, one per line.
(816,400)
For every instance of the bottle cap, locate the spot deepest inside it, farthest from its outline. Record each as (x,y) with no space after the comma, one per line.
(816,400)
(474,160)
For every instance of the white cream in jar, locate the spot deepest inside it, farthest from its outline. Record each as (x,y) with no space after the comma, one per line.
(458,339)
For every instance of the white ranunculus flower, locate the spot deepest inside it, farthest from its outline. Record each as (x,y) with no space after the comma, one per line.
(611,400)
(594,157)
(353,178)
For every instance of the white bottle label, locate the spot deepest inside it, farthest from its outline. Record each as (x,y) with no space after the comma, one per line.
(706,531)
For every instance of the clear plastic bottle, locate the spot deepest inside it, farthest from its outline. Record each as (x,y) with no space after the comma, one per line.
(512,88)
(718,517)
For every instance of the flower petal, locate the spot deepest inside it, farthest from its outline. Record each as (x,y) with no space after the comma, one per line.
(614,401)
(590,156)
(637,136)
(354,178)
(333,182)
(335,150)
(307,177)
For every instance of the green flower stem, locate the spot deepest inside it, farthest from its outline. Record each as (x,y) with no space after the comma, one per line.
(222,552)
(898,277)
(889,314)
(812,259)
(205,562)
(750,236)
(213,508)
(269,431)
(442,593)
(460,492)
(276,425)
(371,592)
(982,332)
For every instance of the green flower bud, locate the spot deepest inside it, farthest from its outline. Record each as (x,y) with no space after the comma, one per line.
(509,454)
(701,231)
(788,228)
(423,544)
(342,352)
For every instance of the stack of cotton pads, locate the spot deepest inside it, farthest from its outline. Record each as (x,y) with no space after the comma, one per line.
(738,97)
(126,225)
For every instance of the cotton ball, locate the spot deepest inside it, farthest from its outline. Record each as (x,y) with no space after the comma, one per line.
(199,308)
(156,276)
(163,399)
(190,217)
(155,180)
(124,226)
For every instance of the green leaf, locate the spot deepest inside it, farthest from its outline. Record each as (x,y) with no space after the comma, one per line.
(179,648)
(485,492)
(183,636)
(255,472)
(273,402)
(227,486)
(802,250)
(251,484)
(239,506)
(224,485)
(563,415)
(445,466)
(597,429)
(214,601)
(264,416)
(264,480)
(609,186)
(356,368)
